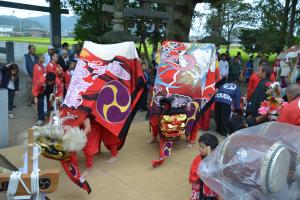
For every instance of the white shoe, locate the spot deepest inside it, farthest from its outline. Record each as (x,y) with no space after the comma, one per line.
(10,116)
(39,123)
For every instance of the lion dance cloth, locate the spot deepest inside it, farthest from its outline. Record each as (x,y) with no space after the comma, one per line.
(184,87)
(107,84)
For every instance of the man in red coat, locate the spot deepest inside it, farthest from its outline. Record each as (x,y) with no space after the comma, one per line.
(291,113)
(45,87)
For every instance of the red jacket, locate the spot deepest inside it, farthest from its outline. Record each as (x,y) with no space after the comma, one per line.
(253,82)
(291,113)
(51,67)
(193,178)
(67,78)
(39,88)
(38,71)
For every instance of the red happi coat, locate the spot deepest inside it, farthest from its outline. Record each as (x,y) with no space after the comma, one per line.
(38,71)
(194,179)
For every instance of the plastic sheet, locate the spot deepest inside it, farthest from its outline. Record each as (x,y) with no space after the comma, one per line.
(257,163)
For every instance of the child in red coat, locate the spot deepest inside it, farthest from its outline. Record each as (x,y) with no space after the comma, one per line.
(38,70)
(200,191)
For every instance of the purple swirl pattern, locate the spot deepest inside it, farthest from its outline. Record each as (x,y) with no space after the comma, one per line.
(167,148)
(191,113)
(77,85)
(114,102)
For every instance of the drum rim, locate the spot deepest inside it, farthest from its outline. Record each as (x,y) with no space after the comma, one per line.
(269,163)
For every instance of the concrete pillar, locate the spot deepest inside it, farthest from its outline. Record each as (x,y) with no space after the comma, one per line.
(55,23)
(10,53)
(3,118)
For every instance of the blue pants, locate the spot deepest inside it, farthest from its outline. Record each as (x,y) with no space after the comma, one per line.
(40,106)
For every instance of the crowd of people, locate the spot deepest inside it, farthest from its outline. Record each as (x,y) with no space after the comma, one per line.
(46,74)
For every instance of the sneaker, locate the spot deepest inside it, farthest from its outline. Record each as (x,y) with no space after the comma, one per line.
(10,116)
(39,123)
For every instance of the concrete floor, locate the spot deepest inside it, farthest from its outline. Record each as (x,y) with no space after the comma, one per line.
(131,176)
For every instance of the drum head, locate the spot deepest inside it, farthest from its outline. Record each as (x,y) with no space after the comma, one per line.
(275,168)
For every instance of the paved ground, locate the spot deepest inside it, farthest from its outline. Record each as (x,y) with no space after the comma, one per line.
(25,116)
(131,176)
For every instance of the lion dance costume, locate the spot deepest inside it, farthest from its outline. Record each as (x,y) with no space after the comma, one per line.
(106,87)
(183,89)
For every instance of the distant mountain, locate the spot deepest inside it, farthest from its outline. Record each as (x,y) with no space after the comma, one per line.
(68,23)
(19,23)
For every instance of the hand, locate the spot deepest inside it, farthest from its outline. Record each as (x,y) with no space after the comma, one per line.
(16,92)
(35,100)
(52,97)
(241,77)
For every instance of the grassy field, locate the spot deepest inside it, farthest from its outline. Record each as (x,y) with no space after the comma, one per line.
(35,40)
(42,44)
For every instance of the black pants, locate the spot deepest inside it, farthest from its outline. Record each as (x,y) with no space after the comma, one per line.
(144,100)
(222,115)
(11,98)
(233,78)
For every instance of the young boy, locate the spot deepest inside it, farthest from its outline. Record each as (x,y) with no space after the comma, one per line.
(207,143)
(38,70)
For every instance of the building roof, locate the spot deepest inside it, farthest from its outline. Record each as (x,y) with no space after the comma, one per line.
(6,26)
(35,29)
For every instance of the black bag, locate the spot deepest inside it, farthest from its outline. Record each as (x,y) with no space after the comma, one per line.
(235,123)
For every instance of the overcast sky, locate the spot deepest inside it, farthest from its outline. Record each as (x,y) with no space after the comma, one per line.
(24,13)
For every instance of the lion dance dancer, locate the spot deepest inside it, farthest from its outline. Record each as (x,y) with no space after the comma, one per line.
(183,90)
(102,99)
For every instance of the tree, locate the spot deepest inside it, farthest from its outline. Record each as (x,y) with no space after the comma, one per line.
(260,40)
(227,16)
(93,22)
(236,14)
(281,16)
(248,39)
(292,22)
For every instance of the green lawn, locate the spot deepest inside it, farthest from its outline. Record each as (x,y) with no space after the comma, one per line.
(40,43)
(35,40)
